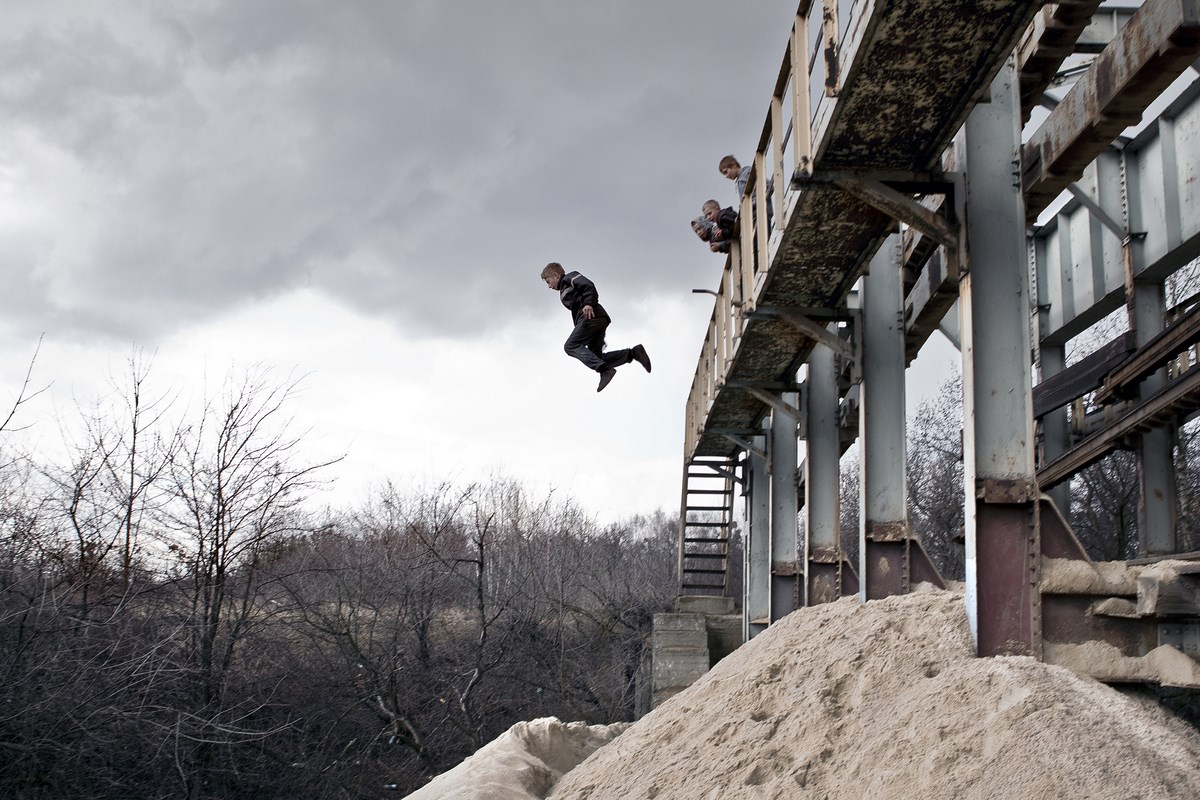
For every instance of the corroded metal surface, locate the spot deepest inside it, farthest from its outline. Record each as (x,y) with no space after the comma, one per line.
(1159,43)
(916,75)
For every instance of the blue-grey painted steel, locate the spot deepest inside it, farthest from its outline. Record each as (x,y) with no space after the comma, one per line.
(783,451)
(1056,434)
(1155,448)
(998,436)
(1079,260)
(822,484)
(883,488)
(757,601)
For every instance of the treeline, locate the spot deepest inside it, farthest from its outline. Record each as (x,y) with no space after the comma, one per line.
(176,621)
(175,624)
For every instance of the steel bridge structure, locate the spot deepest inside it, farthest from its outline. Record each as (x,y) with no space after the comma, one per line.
(899,185)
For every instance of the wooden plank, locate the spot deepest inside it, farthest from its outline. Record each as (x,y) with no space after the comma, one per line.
(1175,399)
(1151,357)
(1082,377)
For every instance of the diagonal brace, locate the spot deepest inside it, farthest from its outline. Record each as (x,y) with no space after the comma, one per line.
(1098,212)
(745,445)
(901,207)
(776,402)
(809,328)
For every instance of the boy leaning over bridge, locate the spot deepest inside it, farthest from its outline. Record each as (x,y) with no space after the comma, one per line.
(586,342)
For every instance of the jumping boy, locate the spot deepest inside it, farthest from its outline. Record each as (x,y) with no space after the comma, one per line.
(586,342)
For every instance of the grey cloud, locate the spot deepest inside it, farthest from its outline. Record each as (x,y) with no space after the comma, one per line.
(420,160)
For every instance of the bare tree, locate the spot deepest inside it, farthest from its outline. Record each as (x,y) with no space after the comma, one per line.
(236,491)
(935,477)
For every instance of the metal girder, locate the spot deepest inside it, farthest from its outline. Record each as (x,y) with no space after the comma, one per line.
(1051,37)
(776,402)
(1103,28)
(1099,213)
(928,302)
(1157,45)
(744,444)
(1081,261)
(786,585)
(901,207)
(813,330)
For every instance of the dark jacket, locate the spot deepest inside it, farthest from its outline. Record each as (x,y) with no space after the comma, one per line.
(726,225)
(576,291)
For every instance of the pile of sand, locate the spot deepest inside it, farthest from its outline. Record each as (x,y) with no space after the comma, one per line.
(883,700)
(522,763)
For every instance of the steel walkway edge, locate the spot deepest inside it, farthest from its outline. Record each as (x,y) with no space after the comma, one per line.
(903,95)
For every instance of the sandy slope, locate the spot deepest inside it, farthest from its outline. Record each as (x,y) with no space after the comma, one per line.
(885,700)
(882,700)
(522,763)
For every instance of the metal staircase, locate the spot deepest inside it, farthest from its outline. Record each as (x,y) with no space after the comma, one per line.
(706,525)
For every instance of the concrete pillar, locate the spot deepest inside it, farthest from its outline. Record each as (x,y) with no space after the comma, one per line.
(1002,546)
(883,531)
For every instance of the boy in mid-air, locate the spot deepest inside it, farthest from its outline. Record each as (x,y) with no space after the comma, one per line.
(586,342)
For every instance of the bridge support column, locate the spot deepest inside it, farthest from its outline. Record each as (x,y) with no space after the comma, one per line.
(883,533)
(890,559)
(823,570)
(782,450)
(757,546)
(1157,509)
(1002,533)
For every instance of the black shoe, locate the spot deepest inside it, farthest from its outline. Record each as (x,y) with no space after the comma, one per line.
(606,378)
(638,354)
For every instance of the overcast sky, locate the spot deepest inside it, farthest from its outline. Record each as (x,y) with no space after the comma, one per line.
(364,192)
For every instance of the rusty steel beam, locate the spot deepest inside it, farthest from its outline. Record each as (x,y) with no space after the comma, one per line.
(1051,37)
(1009,604)
(1158,44)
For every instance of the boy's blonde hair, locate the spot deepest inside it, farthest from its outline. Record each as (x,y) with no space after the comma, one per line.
(553,268)
(728,161)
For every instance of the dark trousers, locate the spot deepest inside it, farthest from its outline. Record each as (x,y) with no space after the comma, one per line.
(586,343)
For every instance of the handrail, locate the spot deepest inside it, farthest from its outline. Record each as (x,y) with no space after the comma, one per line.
(751,252)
